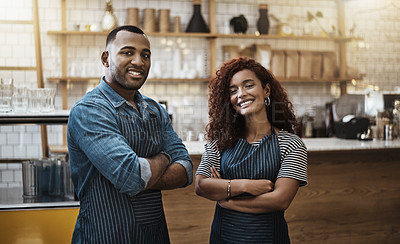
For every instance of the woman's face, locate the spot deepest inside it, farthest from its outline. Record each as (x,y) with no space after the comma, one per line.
(247,94)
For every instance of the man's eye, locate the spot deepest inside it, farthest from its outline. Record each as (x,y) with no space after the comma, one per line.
(128,53)
(146,55)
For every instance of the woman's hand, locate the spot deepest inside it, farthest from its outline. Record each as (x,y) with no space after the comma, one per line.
(224,203)
(253,187)
(258,187)
(277,200)
(215,173)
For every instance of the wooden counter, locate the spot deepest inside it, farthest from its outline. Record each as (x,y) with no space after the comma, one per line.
(353,197)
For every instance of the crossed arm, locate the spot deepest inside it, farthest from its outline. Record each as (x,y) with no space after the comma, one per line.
(165,176)
(265,196)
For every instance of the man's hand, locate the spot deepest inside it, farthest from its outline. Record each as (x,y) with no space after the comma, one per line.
(158,165)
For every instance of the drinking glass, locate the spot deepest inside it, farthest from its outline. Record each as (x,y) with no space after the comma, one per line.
(56,187)
(47,100)
(34,100)
(20,99)
(31,178)
(6,92)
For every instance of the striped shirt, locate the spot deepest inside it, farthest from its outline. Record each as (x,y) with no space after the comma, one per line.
(293,158)
(275,156)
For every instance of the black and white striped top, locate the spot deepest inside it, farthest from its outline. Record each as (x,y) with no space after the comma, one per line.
(293,158)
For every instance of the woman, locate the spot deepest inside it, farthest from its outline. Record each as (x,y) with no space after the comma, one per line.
(253,164)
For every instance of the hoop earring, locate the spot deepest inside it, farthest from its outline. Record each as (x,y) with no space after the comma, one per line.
(267,101)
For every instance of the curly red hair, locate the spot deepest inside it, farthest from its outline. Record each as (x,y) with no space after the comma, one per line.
(225,126)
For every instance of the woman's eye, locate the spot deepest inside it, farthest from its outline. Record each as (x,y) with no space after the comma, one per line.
(232,92)
(249,86)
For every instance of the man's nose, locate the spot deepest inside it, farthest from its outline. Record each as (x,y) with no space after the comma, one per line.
(137,60)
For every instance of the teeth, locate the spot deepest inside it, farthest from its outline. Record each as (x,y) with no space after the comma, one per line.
(134,73)
(245,103)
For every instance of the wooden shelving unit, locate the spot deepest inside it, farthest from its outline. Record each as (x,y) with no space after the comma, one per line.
(215,35)
(85,79)
(211,39)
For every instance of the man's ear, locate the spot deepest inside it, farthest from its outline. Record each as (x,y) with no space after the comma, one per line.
(104,59)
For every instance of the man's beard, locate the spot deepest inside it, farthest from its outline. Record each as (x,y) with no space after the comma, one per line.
(120,79)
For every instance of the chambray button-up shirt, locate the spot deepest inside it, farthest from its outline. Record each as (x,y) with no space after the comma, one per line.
(108,141)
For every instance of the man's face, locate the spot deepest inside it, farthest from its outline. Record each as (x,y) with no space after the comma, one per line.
(128,60)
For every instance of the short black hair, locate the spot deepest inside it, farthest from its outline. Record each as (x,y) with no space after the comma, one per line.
(112,35)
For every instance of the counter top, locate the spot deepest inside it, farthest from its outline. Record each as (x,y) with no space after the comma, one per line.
(55,117)
(319,145)
(12,199)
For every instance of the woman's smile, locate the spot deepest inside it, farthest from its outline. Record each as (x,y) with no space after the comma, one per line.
(247,94)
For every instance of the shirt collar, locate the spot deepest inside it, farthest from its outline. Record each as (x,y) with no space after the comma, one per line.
(116,99)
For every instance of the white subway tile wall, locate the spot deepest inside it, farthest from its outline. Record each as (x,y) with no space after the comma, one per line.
(377,56)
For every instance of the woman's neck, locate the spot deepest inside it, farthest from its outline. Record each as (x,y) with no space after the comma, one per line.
(257,129)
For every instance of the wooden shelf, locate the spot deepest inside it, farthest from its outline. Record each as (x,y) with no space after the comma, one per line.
(86,79)
(214,35)
(325,80)
(169,80)
(72,79)
(308,37)
(166,34)
(58,148)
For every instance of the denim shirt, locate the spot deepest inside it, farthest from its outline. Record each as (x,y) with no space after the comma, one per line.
(100,140)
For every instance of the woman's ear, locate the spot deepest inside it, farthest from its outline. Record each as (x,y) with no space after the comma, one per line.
(104,59)
(267,90)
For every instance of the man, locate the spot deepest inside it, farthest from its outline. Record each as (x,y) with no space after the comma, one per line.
(123,150)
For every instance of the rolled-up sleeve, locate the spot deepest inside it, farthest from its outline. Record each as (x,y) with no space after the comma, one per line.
(95,141)
(211,157)
(174,146)
(189,170)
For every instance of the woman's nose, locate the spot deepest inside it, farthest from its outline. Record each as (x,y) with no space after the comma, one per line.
(241,92)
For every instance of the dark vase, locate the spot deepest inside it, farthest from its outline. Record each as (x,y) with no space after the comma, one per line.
(197,23)
(263,21)
(239,24)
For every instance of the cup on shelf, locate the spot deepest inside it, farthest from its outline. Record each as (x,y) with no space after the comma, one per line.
(20,99)
(34,100)
(68,185)
(149,20)
(47,100)
(41,100)
(6,93)
(31,178)
(56,187)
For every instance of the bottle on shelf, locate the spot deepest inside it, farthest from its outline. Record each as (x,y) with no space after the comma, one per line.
(308,124)
(109,20)
(197,23)
(263,21)
(396,119)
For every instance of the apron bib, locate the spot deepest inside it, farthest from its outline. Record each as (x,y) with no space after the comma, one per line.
(250,161)
(122,218)
(145,137)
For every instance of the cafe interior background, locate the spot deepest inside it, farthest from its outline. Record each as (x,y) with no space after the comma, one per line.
(372,55)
